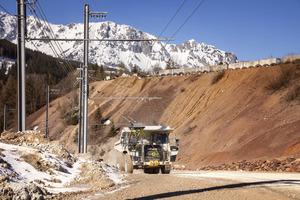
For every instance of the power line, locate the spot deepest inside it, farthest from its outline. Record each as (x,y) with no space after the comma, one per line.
(123,15)
(16,22)
(164,46)
(51,35)
(43,30)
(101,40)
(51,31)
(5,10)
(37,20)
(187,19)
(172,18)
(149,60)
(118,85)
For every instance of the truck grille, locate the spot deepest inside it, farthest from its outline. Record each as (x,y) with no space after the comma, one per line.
(153,152)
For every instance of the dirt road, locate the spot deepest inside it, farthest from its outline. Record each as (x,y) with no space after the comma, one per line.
(207,185)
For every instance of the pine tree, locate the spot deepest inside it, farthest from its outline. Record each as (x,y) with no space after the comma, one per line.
(3,70)
(97,119)
(1,87)
(122,69)
(102,73)
(9,93)
(155,69)
(112,131)
(9,98)
(135,70)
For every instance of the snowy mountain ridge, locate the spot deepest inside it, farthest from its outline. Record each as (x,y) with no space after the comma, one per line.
(143,55)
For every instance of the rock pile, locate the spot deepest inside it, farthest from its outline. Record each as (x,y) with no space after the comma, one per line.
(50,158)
(289,164)
(53,148)
(36,139)
(23,191)
(94,174)
(178,167)
(18,138)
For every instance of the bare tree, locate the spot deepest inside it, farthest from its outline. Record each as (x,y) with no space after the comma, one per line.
(35,92)
(170,64)
(155,69)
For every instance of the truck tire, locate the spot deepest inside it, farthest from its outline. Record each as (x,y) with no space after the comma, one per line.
(120,163)
(148,171)
(155,170)
(128,164)
(164,171)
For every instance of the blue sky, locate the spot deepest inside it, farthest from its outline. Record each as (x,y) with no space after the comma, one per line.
(251,29)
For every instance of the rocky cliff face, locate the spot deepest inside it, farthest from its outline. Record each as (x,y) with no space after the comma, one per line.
(143,55)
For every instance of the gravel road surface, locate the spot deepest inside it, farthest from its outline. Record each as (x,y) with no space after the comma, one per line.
(207,185)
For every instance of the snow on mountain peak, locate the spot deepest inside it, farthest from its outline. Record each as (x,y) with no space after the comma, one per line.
(143,55)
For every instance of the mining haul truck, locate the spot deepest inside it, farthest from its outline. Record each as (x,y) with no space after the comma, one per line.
(146,147)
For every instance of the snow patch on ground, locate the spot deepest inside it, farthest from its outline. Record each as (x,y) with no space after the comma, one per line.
(100,195)
(59,176)
(27,173)
(115,177)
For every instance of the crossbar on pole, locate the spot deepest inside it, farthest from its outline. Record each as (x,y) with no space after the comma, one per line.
(130,98)
(100,40)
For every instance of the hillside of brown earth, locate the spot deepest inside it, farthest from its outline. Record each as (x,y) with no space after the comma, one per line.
(221,117)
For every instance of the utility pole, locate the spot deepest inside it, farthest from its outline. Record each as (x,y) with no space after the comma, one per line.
(5,118)
(21,65)
(82,132)
(85,77)
(6,110)
(47,113)
(87,13)
(80,111)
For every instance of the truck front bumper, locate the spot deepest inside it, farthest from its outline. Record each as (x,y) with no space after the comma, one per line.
(154,163)
(142,165)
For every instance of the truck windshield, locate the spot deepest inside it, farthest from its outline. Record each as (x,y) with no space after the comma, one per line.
(161,138)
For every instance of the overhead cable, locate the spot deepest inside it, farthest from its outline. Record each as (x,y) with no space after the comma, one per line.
(5,10)
(149,60)
(187,19)
(42,28)
(51,31)
(16,22)
(172,18)
(184,23)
